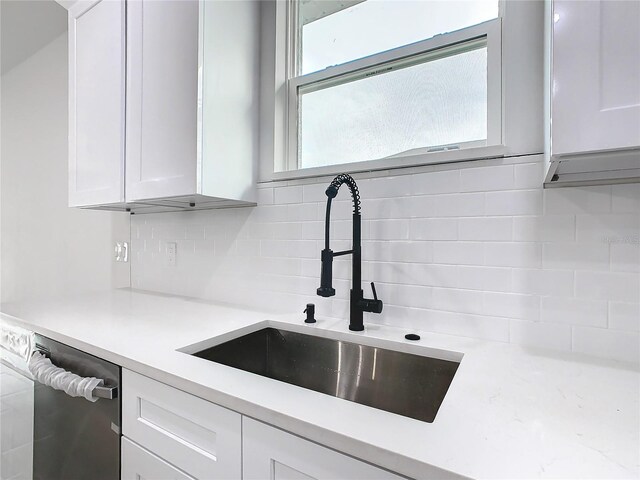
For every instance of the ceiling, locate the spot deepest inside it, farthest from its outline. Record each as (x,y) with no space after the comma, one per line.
(26,26)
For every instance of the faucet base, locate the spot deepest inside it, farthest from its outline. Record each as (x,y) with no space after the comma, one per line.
(356,328)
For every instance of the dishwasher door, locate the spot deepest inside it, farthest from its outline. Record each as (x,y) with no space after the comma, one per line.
(73,437)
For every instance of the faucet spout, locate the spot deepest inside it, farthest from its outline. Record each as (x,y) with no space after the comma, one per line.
(358,304)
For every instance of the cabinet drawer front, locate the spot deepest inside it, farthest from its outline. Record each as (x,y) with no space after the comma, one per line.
(138,463)
(197,436)
(270,453)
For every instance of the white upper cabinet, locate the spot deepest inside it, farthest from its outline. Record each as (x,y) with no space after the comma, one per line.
(192,73)
(96,102)
(162,95)
(594,91)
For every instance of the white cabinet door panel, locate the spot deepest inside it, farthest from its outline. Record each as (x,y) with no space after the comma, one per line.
(596,76)
(162,95)
(272,454)
(96,102)
(198,437)
(138,464)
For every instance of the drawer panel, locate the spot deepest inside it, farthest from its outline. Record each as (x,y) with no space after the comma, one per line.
(197,436)
(139,463)
(273,454)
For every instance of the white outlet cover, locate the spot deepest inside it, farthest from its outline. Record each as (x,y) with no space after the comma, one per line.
(171,250)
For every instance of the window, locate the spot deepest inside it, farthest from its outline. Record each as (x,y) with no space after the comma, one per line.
(378,84)
(382,79)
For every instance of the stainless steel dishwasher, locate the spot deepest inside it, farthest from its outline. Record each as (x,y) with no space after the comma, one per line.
(73,438)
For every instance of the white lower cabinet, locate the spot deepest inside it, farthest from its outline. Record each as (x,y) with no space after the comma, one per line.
(197,437)
(272,454)
(139,463)
(170,434)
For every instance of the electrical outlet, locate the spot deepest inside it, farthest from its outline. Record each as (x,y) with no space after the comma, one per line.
(122,251)
(171,249)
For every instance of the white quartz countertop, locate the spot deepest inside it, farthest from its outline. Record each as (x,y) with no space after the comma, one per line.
(510,412)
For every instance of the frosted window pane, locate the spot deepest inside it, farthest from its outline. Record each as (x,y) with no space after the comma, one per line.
(335,32)
(441,102)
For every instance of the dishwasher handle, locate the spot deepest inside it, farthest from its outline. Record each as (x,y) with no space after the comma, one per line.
(105,392)
(45,372)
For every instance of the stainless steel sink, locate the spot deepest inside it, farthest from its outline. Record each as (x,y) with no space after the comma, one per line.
(398,382)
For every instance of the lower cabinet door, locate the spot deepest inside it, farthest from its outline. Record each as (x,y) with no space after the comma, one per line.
(199,437)
(272,454)
(138,463)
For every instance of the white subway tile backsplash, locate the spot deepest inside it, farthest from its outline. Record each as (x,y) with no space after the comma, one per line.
(479,251)
(194,232)
(434,229)
(401,207)
(287,195)
(314,192)
(528,175)
(625,257)
(466,325)
(301,212)
(547,228)
(385,187)
(606,343)
(457,300)
(543,282)
(622,287)
(512,305)
(493,279)
(432,183)
(578,200)
(397,251)
(512,254)
(274,213)
(459,205)
(612,228)
(486,179)
(626,198)
(516,202)
(540,335)
(576,256)
(388,229)
(406,295)
(286,231)
(485,228)
(265,196)
(458,253)
(246,247)
(624,316)
(575,311)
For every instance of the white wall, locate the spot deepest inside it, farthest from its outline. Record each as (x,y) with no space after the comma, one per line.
(477,249)
(47,248)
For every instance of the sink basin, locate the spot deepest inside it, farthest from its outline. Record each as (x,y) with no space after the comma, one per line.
(398,382)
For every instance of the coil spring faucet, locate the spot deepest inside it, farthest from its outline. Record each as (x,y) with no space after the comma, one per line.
(358,304)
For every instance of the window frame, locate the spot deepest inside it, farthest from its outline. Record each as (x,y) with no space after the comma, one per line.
(520,92)
(489,30)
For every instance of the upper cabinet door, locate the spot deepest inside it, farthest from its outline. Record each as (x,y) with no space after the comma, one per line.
(162,91)
(596,76)
(96,102)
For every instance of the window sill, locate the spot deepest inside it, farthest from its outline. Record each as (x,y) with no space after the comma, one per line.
(433,158)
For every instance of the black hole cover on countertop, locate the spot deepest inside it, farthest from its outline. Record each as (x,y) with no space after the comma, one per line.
(412,336)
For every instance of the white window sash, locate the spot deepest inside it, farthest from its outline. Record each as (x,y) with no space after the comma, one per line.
(491,30)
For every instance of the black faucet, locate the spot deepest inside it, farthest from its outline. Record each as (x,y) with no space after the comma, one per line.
(358,303)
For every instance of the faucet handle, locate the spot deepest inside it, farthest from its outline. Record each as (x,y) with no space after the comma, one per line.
(373,306)
(373,289)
